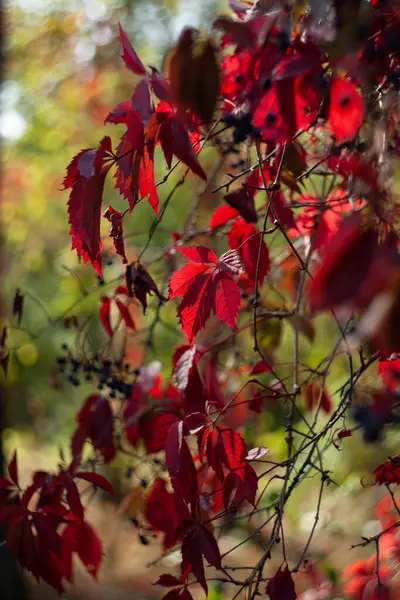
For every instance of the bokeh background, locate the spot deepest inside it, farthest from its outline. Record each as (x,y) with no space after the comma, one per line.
(63,75)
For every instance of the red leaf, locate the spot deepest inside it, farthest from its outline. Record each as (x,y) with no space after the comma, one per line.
(307,99)
(354,267)
(85,176)
(129,56)
(315,395)
(155,428)
(281,586)
(221,215)
(127,172)
(89,548)
(96,479)
(206,286)
(120,112)
(125,314)
(185,480)
(240,485)
(246,239)
(346,110)
(268,119)
(135,131)
(389,370)
(116,231)
(225,447)
(13,469)
(105,312)
(147,186)
(343,433)
(82,539)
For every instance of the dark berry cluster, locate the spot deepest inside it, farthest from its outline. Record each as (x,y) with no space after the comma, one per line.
(112,376)
(242,125)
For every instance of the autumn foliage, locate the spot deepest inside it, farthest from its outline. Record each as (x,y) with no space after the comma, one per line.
(299,104)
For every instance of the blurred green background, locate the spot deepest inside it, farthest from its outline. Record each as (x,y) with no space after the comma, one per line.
(63,75)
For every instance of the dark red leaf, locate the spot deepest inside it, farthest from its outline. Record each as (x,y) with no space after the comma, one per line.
(116,231)
(173,446)
(73,498)
(82,539)
(225,447)
(183,149)
(13,469)
(140,283)
(167,580)
(46,526)
(95,423)
(18,306)
(129,56)
(198,543)
(281,586)
(243,201)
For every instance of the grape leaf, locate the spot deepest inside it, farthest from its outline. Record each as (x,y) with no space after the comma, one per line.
(281,586)
(207,286)
(129,56)
(85,176)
